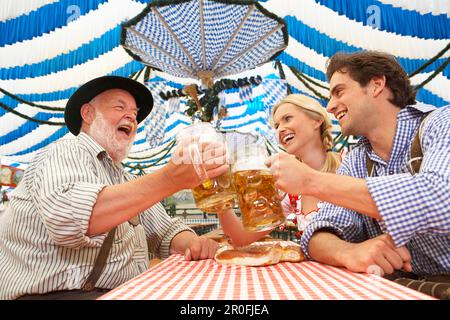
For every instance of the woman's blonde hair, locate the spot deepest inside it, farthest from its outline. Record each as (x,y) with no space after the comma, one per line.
(313,109)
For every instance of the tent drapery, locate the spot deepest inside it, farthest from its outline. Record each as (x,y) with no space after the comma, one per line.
(45,56)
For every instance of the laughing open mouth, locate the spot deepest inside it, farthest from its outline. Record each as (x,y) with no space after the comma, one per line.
(341,114)
(127,129)
(287,138)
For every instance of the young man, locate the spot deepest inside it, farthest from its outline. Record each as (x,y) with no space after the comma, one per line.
(76,191)
(387,219)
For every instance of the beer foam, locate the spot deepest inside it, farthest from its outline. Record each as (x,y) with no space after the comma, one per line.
(200,132)
(250,163)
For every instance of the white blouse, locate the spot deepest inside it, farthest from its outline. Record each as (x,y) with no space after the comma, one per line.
(303,218)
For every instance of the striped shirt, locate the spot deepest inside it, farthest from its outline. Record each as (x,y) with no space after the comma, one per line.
(415,209)
(43,241)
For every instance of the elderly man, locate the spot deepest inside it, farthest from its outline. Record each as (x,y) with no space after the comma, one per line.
(77,208)
(381,215)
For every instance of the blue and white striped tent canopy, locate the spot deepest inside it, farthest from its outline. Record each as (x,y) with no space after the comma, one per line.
(48,48)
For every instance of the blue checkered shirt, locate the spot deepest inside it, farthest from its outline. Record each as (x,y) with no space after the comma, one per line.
(415,210)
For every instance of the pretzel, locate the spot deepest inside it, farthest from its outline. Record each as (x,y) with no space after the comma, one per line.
(260,254)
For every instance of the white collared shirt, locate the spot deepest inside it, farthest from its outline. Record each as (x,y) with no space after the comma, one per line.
(43,241)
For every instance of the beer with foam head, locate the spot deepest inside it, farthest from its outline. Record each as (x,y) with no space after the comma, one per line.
(213,194)
(258,198)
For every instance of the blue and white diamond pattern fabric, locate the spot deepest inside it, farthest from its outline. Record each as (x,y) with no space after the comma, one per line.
(216,36)
(191,36)
(274,91)
(184,20)
(243,114)
(155,123)
(254,29)
(246,93)
(152,27)
(38,67)
(262,52)
(156,46)
(152,56)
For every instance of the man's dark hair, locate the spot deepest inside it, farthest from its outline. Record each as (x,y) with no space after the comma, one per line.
(365,65)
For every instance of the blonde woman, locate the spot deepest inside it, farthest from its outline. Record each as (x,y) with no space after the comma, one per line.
(304,130)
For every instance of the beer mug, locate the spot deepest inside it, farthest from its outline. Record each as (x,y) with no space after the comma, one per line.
(214,194)
(258,198)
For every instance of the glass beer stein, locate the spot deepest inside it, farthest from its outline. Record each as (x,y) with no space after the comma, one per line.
(258,198)
(213,194)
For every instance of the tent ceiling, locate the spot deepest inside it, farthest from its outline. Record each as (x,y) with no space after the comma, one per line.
(48,48)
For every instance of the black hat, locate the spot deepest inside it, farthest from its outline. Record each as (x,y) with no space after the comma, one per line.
(89,90)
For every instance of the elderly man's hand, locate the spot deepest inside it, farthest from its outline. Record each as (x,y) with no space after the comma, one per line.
(192,164)
(201,248)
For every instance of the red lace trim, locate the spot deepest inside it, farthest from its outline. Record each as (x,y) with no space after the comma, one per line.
(293,200)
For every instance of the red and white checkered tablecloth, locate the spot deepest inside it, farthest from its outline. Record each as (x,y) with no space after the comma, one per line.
(175,278)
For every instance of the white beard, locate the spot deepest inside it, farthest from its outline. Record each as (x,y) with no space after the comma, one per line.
(104,134)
